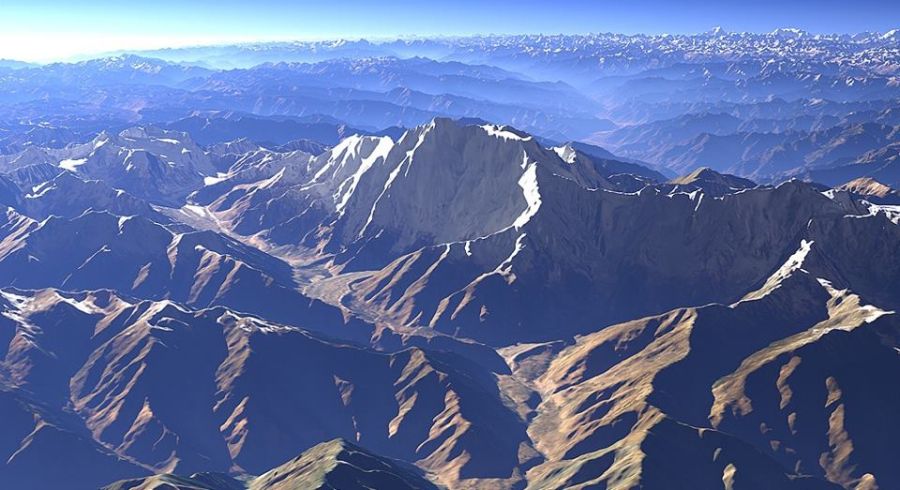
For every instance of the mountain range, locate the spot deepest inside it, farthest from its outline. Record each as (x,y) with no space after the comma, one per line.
(506,262)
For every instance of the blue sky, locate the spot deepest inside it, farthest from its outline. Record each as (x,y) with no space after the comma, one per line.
(53,29)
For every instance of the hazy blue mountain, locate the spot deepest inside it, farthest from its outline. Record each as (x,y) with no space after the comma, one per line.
(224,127)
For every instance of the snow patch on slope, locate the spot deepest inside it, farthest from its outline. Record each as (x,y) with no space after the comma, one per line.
(210,180)
(566,153)
(348,186)
(72,165)
(794,263)
(529,184)
(499,132)
(395,172)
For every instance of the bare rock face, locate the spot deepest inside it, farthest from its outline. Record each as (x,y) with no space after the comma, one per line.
(867,186)
(340,464)
(9,192)
(714,388)
(139,257)
(690,249)
(212,390)
(370,198)
(150,163)
(710,182)
(871,190)
(456,224)
(31,437)
(69,196)
(456,306)
(335,464)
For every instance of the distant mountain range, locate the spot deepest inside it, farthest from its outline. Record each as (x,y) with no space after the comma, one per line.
(372,93)
(572,55)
